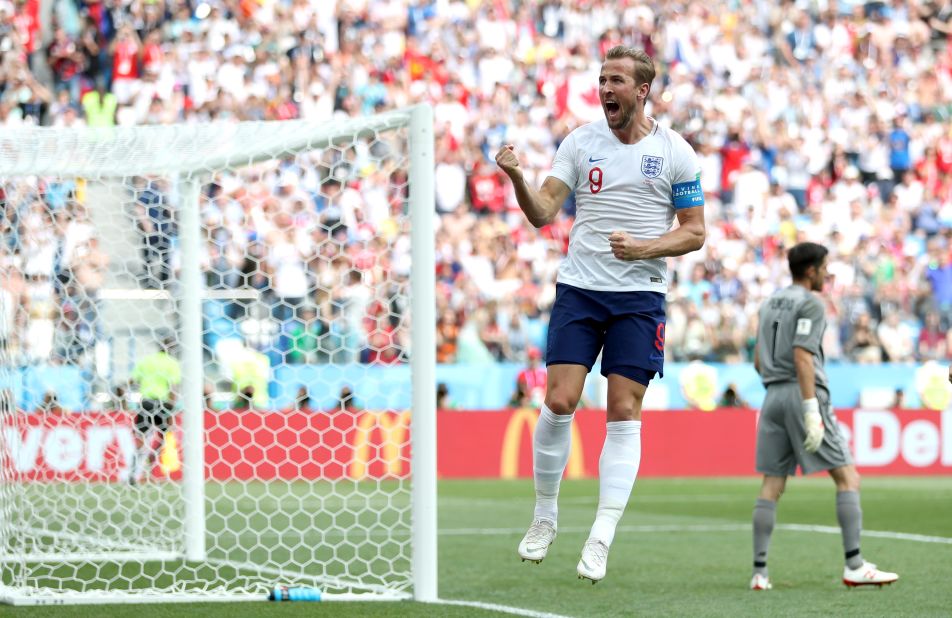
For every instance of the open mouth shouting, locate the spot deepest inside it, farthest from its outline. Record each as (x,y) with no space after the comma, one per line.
(613,112)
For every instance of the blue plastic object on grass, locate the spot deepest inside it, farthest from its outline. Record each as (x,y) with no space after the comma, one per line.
(298,593)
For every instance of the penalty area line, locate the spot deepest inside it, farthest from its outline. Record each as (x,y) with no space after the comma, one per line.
(505,609)
(880,534)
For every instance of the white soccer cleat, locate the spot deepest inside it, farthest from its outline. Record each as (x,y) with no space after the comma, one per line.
(535,544)
(593,562)
(867,575)
(760,582)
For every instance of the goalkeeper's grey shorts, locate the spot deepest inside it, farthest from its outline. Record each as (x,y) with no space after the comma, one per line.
(781,431)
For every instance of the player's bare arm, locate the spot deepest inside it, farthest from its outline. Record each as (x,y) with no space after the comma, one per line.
(540,206)
(757,356)
(689,236)
(806,376)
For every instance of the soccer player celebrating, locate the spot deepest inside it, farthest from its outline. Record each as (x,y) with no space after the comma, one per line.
(631,177)
(796,425)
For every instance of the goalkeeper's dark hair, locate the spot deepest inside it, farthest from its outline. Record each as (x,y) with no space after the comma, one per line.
(803,256)
(644,65)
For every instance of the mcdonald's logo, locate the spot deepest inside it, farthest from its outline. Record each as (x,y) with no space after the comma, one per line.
(169,459)
(392,431)
(526,418)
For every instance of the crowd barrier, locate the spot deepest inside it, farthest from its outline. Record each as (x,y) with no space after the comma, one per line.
(250,445)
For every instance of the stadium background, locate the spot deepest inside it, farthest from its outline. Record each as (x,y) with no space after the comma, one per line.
(827,122)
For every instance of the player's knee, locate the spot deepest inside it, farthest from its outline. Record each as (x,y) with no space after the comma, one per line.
(624,408)
(561,402)
(847,479)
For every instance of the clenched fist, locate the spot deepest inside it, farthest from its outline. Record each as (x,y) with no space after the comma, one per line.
(624,247)
(507,160)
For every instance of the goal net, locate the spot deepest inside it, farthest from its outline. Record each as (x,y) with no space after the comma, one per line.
(211,341)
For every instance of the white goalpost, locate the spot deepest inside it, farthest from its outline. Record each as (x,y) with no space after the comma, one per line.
(286,271)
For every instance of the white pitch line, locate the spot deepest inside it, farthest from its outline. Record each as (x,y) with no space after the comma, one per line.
(882,534)
(505,609)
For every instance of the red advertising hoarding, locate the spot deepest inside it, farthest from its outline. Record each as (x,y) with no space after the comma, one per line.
(471,444)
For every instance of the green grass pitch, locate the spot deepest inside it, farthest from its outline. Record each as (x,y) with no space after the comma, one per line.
(683,549)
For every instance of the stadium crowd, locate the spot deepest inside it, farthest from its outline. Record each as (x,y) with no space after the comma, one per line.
(821,121)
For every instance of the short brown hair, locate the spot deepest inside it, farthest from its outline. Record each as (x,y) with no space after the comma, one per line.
(644,65)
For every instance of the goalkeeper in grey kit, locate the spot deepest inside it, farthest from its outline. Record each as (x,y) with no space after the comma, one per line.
(796,426)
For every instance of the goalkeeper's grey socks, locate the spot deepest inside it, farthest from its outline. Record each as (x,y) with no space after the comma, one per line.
(617,470)
(765,515)
(551,444)
(850,515)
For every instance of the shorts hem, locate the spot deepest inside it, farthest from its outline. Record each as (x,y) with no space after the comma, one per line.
(822,468)
(636,373)
(569,362)
(775,473)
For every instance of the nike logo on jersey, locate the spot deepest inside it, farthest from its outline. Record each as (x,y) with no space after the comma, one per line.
(594,160)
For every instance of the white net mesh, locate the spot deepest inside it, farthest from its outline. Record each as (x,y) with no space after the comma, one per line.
(305,261)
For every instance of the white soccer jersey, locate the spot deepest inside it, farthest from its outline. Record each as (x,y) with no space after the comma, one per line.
(633,188)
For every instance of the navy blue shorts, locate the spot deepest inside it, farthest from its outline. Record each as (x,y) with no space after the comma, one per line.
(627,327)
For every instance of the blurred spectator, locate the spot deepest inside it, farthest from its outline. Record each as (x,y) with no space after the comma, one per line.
(698,286)
(863,346)
(698,340)
(531,382)
(896,338)
(24,100)
(900,158)
(899,399)
(306,336)
(447,335)
(470,346)
(65,59)
(244,399)
(155,218)
(493,336)
(248,372)
(125,50)
(100,107)
(932,339)
(443,399)
(302,400)
(731,398)
(50,404)
(346,402)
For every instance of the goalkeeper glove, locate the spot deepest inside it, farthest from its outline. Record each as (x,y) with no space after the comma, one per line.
(814,425)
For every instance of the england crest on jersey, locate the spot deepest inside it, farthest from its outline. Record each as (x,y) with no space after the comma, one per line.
(651,166)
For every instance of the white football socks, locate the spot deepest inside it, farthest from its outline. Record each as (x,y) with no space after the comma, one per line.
(617,470)
(551,444)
